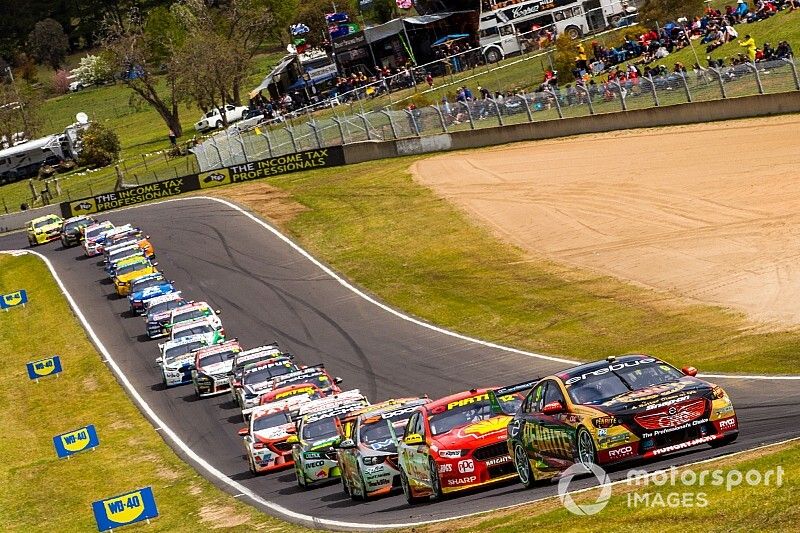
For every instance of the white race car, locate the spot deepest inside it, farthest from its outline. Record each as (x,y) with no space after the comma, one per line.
(177,359)
(212,366)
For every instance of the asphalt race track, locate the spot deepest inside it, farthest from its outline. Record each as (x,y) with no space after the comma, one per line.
(268,291)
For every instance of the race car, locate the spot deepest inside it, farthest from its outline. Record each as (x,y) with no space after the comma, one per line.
(614,410)
(319,429)
(103,238)
(257,379)
(136,269)
(457,442)
(130,236)
(118,256)
(313,375)
(214,333)
(146,288)
(72,230)
(193,311)
(368,454)
(90,235)
(253,355)
(43,229)
(177,359)
(157,313)
(266,435)
(211,367)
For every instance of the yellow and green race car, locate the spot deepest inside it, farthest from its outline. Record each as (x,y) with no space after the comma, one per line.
(124,275)
(43,229)
(625,408)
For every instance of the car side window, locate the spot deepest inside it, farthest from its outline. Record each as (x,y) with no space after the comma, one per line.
(533,403)
(412,423)
(419,427)
(553,394)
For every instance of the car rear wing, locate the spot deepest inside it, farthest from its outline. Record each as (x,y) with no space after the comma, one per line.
(494,394)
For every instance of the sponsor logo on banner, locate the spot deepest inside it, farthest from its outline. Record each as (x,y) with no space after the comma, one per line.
(44,367)
(215,178)
(76,441)
(13,299)
(84,207)
(125,509)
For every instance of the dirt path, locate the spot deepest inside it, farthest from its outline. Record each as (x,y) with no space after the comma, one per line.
(707,212)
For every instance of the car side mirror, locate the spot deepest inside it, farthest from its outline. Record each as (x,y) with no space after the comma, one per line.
(292,439)
(154,263)
(337,380)
(243,432)
(552,408)
(347,444)
(689,371)
(413,439)
(159,360)
(218,311)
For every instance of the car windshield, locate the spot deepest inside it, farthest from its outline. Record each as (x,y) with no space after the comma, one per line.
(378,436)
(320,380)
(75,225)
(177,351)
(142,285)
(43,223)
(201,329)
(163,307)
(94,232)
(219,357)
(192,314)
(596,389)
(480,409)
(271,421)
(317,430)
(268,372)
(133,267)
(123,251)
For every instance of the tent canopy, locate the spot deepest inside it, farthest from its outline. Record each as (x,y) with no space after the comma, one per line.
(450,38)
(276,72)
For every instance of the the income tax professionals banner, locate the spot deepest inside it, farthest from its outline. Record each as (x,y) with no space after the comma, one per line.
(274,166)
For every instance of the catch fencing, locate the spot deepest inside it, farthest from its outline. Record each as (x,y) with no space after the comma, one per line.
(236,146)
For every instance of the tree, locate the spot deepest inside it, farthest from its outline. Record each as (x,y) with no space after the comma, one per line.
(100,146)
(19,111)
(48,43)
(662,11)
(565,55)
(284,14)
(60,82)
(94,69)
(131,52)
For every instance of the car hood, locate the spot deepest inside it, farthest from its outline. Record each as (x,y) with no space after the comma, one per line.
(218,368)
(152,292)
(272,434)
(489,431)
(153,317)
(47,227)
(179,361)
(324,444)
(135,274)
(652,397)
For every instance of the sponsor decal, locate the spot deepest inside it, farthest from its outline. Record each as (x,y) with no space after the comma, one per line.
(445,468)
(548,440)
(684,445)
(498,460)
(125,509)
(215,178)
(666,403)
(619,453)
(485,427)
(462,480)
(724,410)
(315,464)
(449,453)
(13,299)
(466,466)
(610,368)
(728,423)
(648,394)
(72,442)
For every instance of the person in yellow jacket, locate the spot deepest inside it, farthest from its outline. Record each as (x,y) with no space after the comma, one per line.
(750,44)
(581,62)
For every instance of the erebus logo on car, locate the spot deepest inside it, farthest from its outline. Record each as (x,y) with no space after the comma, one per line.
(609,368)
(466,466)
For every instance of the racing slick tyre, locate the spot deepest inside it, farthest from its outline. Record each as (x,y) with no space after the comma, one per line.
(723,441)
(362,489)
(345,486)
(587,453)
(252,466)
(410,498)
(218,125)
(301,479)
(436,483)
(524,470)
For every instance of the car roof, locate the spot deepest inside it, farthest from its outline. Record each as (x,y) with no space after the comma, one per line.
(597,365)
(43,218)
(148,277)
(77,218)
(443,402)
(193,323)
(390,406)
(331,402)
(175,295)
(217,348)
(184,340)
(191,306)
(275,361)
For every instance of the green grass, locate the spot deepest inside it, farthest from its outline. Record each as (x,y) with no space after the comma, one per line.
(744,508)
(419,253)
(38,492)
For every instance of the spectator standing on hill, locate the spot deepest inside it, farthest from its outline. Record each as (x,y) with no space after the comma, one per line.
(750,44)
(173,139)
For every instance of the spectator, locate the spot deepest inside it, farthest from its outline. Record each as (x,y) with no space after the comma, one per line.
(741,10)
(173,139)
(750,45)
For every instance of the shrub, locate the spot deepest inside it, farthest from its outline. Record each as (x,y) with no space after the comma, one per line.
(60,83)
(100,146)
(564,60)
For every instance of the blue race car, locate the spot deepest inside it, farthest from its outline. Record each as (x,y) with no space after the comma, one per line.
(146,288)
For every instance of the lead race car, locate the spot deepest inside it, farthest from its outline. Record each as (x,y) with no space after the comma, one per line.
(619,409)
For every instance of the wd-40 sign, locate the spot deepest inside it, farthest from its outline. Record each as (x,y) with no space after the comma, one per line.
(72,442)
(44,367)
(125,509)
(13,299)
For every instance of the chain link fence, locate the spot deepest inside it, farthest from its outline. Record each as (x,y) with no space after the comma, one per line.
(235,147)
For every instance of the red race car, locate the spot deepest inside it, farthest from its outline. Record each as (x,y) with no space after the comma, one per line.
(456,443)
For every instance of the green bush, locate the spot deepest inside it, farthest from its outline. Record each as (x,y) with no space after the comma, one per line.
(100,146)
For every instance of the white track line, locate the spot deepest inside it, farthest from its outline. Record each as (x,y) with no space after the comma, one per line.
(217,474)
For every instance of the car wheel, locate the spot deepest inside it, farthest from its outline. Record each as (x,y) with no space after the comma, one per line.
(493,56)
(410,498)
(587,453)
(252,466)
(436,484)
(573,32)
(31,243)
(218,125)
(723,441)
(523,465)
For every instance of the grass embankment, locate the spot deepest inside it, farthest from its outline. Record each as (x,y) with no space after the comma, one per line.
(40,492)
(396,238)
(743,508)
